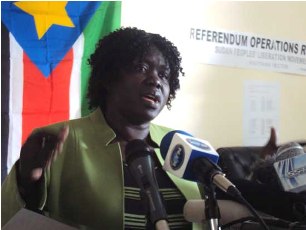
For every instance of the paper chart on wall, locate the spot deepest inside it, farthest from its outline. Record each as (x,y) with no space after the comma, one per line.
(261,109)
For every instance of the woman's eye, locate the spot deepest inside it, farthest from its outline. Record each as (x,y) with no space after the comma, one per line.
(164,75)
(142,68)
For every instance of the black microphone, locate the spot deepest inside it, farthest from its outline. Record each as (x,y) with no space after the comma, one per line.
(141,166)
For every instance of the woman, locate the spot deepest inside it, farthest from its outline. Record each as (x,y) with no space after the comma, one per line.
(75,171)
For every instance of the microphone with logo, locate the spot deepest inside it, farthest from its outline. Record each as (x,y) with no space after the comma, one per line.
(290,167)
(193,159)
(141,166)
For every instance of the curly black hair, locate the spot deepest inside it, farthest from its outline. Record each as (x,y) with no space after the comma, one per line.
(117,51)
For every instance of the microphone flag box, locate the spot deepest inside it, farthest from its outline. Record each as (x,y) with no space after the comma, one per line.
(182,150)
(292,173)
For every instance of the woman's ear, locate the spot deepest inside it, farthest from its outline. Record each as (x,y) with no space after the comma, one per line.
(104,85)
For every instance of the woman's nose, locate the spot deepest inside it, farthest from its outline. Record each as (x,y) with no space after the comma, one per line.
(153,79)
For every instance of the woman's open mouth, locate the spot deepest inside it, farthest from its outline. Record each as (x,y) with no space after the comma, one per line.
(151,99)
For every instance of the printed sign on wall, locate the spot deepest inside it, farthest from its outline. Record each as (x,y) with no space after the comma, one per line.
(244,50)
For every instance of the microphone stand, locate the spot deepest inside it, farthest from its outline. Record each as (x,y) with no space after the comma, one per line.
(211,210)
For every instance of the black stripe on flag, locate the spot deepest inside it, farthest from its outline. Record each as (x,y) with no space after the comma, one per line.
(5,88)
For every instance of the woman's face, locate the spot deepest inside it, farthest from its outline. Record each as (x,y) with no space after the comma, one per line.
(141,92)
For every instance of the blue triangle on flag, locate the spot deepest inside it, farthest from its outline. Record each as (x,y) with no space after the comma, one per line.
(47,52)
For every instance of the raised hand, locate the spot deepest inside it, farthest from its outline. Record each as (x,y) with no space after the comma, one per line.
(37,154)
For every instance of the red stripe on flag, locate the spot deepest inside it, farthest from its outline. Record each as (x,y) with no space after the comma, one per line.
(45,100)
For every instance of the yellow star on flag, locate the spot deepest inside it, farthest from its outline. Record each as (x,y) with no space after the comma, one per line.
(46,14)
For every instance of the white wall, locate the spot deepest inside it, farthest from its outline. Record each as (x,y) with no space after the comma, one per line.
(210,102)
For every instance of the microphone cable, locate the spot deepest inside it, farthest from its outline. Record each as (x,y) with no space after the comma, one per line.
(212,173)
(236,194)
(275,222)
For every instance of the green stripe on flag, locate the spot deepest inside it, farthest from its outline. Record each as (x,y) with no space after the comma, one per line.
(106,19)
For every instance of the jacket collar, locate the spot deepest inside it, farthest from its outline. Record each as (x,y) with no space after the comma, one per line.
(100,124)
(98,118)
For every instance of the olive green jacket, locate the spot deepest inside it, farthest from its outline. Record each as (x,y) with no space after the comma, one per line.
(84,186)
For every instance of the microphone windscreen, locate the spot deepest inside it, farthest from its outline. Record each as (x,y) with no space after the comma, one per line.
(289,150)
(166,141)
(180,149)
(135,149)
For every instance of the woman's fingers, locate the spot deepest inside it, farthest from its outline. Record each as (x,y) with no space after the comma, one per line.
(48,145)
(62,136)
(39,151)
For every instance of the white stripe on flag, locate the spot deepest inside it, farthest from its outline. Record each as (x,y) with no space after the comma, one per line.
(15,102)
(75,79)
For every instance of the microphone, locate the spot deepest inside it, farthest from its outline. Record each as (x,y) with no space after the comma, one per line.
(193,159)
(229,211)
(141,166)
(290,167)
(288,150)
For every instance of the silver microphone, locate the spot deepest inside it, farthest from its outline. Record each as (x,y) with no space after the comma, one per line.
(288,150)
